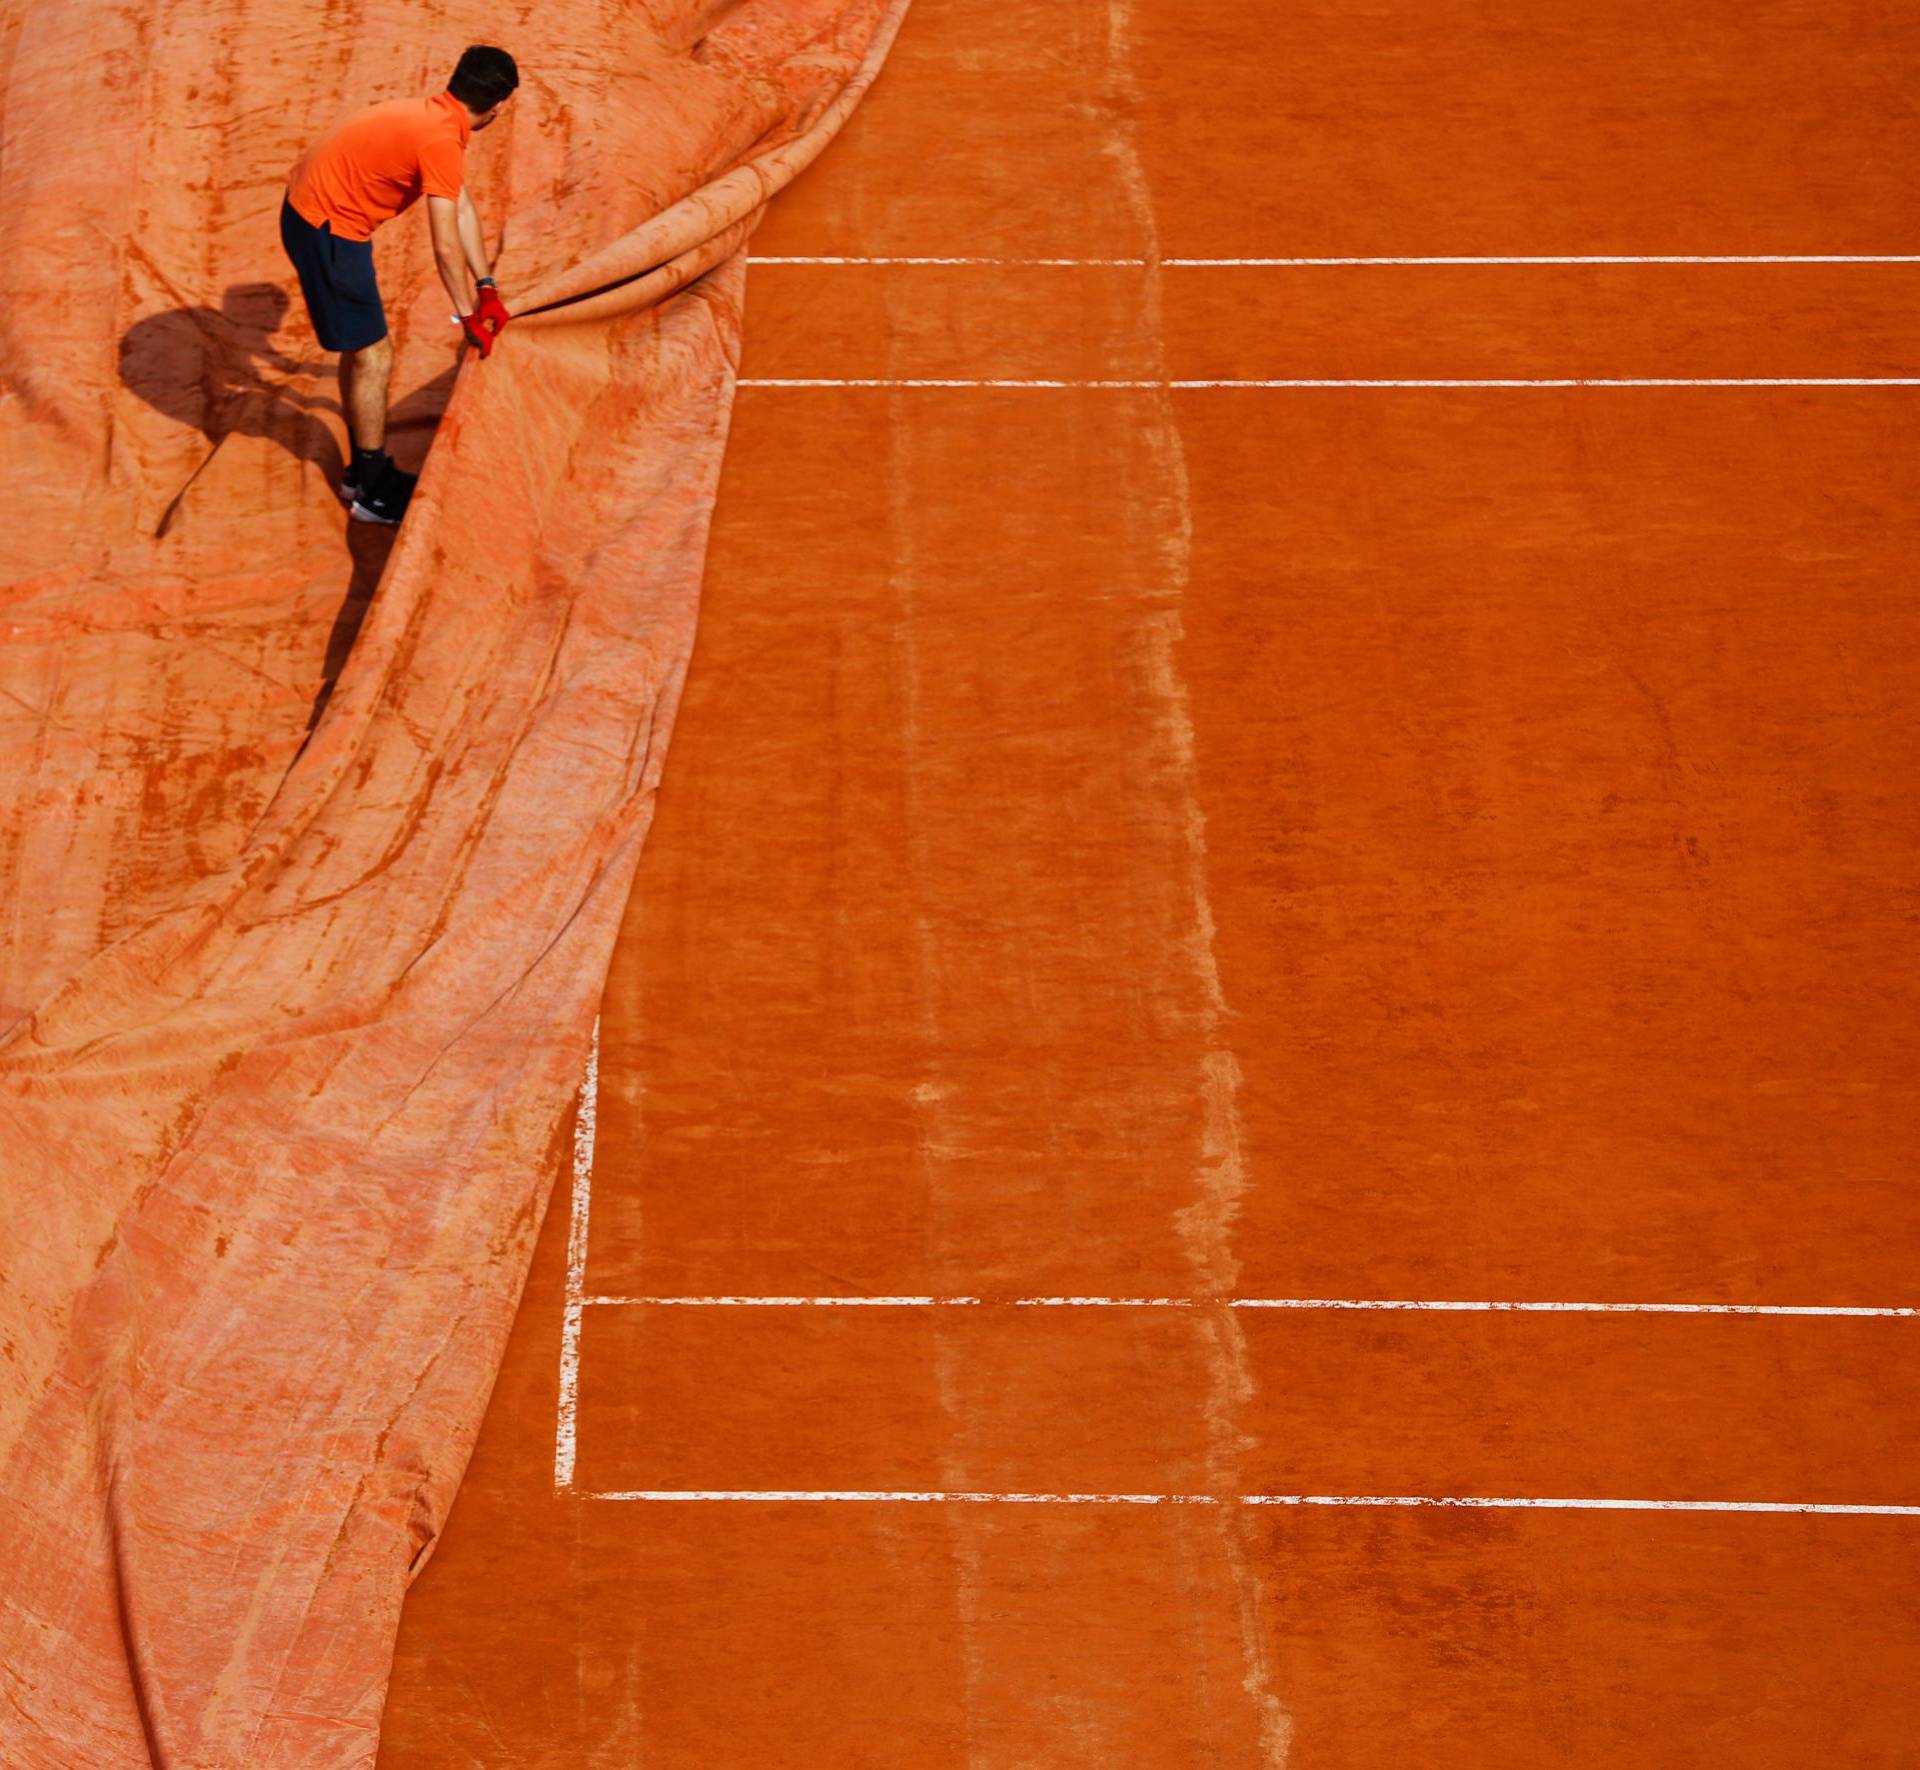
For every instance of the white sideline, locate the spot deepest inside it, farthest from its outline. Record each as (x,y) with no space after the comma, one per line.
(1394,1303)
(566,1428)
(1301,383)
(1324,263)
(1462,1502)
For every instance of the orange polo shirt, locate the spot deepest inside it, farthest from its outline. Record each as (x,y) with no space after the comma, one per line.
(376,164)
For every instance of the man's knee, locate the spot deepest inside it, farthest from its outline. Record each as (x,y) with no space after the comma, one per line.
(379,352)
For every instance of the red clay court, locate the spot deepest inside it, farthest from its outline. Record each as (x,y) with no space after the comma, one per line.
(1304,703)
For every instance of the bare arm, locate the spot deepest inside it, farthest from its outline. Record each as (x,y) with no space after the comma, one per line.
(470,236)
(457,246)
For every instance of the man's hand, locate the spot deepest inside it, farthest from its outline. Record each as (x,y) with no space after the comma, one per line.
(484,324)
(488,306)
(477,333)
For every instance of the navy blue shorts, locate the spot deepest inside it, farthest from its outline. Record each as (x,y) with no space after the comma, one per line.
(336,276)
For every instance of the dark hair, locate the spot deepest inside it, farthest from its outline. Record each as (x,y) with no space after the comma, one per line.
(485,77)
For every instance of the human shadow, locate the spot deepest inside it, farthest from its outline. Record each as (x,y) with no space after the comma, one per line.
(370,544)
(202,366)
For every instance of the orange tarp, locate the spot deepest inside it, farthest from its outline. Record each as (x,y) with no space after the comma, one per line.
(298,974)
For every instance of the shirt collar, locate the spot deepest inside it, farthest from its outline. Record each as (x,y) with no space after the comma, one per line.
(459,112)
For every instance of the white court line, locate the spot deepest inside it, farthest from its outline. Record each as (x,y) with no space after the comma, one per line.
(754,260)
(889,1496)
(1300,383)
(1481,1502)
(1391,1303)
(1325,263)
(566,1431)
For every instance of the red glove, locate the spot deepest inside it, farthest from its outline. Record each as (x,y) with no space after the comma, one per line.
(482,326)
(489,307)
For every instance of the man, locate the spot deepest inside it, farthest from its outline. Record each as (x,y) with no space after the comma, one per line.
(366,172)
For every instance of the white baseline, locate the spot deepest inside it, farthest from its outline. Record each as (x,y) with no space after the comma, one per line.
(1476,1502)
(1488,1307)
(1300,383)
(1333,263)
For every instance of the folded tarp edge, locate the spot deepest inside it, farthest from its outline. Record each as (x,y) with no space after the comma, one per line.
(714,208)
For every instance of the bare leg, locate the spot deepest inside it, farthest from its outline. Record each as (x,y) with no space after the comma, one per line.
(346,392)
(364,376)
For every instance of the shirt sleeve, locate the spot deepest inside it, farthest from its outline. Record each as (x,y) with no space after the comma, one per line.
(442,167)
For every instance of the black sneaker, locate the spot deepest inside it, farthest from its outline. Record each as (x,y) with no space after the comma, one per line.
(363,472)
(387,500)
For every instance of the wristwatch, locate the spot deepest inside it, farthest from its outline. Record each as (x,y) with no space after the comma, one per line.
(485,283)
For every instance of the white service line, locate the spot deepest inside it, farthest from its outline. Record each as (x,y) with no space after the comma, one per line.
(917,1498)
(1481,1502)
(1470,1502)
(1323,263)
(566,1430)
(1391,1303)
(754,260)
(1299,383)
(1563,258)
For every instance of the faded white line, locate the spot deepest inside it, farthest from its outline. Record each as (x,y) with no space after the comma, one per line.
(1562,258)
(1324,263)
(1481,1502)
(1475,1502)
(929,1497)
(1021,263)
(1301,383)
(1487,1307)
(566,1440)
(785,1302)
